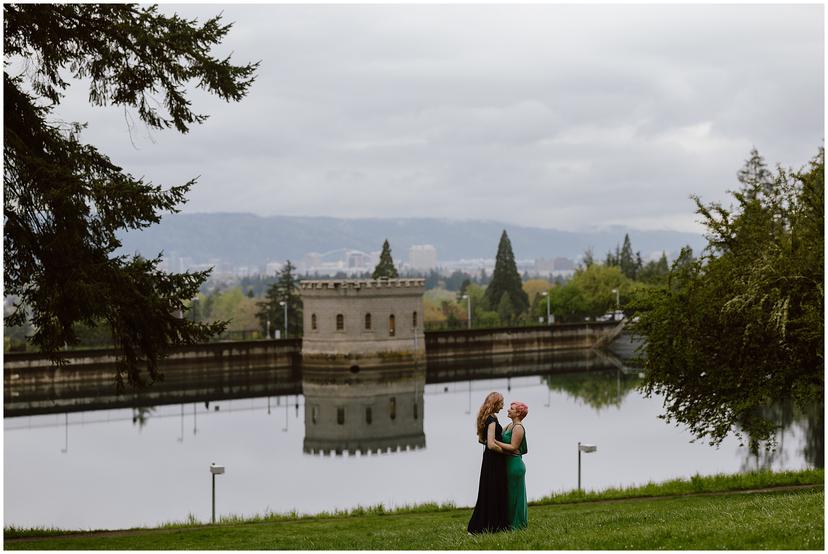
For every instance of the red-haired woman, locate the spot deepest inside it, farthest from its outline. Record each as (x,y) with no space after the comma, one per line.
(514,445)
(490,510)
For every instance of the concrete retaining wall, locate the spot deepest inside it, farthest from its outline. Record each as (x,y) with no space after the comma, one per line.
(476,342)
(32,385)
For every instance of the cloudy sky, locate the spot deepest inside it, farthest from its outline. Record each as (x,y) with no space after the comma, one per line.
(556,116)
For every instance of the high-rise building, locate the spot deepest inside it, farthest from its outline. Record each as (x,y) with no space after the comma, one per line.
(422,256)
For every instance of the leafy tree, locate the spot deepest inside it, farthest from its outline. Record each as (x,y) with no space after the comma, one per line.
(463,286)
(655,272)
(432,279)
(741,328)
(385,267)
(65,200)
(506,279)
(285,289)
(534,289)
(456,279)
(589,293)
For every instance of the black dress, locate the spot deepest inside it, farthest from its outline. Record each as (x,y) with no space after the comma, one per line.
(490,512)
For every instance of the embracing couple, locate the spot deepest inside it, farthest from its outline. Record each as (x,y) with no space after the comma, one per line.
(501,498)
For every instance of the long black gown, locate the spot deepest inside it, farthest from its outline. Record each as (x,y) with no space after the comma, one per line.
(490,512)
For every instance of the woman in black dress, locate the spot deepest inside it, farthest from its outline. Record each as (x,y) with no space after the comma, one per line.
(490,512)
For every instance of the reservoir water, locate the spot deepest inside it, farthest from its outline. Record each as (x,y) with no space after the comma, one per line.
(336,447)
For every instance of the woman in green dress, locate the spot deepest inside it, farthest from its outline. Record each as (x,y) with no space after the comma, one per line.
(514,446)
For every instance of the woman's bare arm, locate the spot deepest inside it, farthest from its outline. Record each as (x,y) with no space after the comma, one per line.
(491,443)
(517,437)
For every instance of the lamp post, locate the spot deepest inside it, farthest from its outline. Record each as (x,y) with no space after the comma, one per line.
(215,470)
(467,298)
(268,329)
(285,306)
(549,317)
(617,303)
(586,448)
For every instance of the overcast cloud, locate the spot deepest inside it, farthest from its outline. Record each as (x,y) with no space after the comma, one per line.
(545,115)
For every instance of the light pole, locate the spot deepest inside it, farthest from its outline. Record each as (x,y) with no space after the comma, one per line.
(268,328)
(549,320)
(586,448)
(468,307)
(285,305)
(617,303)
(215,470)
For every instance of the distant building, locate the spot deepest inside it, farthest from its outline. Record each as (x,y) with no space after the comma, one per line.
(272,268)
(563,264)
(312,260)
(422,256)
(354,259)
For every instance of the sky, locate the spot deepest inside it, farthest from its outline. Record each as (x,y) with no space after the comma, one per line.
(555,116)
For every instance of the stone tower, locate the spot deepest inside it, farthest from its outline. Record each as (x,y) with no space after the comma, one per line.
(356,323)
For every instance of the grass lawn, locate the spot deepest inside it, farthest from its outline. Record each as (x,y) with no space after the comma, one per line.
(784,519)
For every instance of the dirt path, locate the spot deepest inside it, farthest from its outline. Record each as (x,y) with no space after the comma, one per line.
(135,532)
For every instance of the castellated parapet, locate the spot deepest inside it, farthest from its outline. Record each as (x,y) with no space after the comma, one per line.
(368,320)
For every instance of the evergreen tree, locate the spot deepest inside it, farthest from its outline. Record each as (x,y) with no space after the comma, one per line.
(505,309)
(628,262)
(285,289)
(588,258)
(385,267)
(66,202)
(506,279)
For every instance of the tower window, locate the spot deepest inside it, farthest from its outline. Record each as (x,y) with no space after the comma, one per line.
(367,322)
(414,320)
(340,415)
(392,325)
(340,322)
(392,407)
(368,415)
(313,322)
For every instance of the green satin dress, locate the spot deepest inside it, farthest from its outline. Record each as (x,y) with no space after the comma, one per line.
(518,510)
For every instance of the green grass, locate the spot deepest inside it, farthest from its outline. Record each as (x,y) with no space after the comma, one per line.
(768,520)
(697,484)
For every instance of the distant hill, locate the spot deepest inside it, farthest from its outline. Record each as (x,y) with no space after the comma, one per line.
(246,239)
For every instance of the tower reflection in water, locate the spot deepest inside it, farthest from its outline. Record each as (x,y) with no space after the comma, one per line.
(369,411)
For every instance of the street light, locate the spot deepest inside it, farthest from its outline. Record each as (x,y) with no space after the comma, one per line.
(285,305)
(468,299)
(549,318)
(617,303)
(586,448)
(215,470)
(268,329)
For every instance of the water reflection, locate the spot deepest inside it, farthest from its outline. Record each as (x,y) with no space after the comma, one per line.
(597,389)
(140,415)
(368,411)
(792,422)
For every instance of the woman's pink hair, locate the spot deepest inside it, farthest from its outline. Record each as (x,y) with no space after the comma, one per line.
(522,409)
